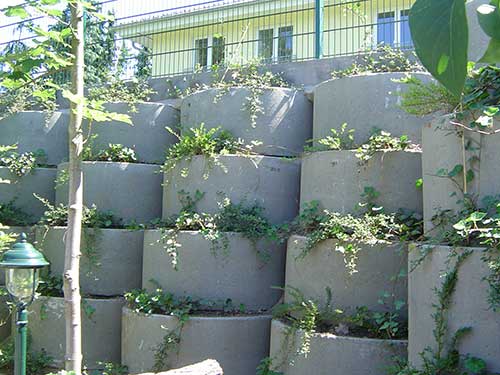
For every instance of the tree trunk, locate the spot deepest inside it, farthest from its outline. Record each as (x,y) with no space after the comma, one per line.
(72,298)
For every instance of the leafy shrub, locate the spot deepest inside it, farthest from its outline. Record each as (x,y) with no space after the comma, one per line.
(114,152)
(383,59)
(13,216)
(21,164)
(36,362)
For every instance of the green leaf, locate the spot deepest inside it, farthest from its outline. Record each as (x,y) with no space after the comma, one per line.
(17,11)
(456,170)
(419,183)
(492,54)
(475,365)
(440,34)
(489,19)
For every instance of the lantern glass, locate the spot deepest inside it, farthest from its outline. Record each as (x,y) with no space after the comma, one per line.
(21,283)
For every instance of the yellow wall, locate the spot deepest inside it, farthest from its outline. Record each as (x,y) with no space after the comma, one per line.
(348,30)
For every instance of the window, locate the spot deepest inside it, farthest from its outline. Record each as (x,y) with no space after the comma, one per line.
(218,50)
(285,43)
(201,52)
(386,28)
(266,39)
(404,27)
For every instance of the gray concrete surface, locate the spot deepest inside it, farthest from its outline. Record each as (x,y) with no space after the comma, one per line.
(240,274)
(130,191)
(33,130)
(40,181)
(442,149)
(336,179)
(469,306)
(324,267)
(365,102)
(100,272)
(207,367)
(147,135)
(271,182)
(334,355)
(478,40)
(238,343)
(283,128)
(100,332)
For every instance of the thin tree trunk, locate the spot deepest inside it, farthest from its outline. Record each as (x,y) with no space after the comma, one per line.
(72,296)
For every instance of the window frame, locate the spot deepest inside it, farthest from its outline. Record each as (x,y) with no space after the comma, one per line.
(275,50)
(397,29)
(210,49)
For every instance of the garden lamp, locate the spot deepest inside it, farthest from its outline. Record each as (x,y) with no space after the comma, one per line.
(21,263)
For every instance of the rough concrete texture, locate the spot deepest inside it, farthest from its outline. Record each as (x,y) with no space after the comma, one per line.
(129,191)
(238,343)
(147,136)
(40,181)
(333,355)
(100,330)
(270,182)
(469,306)
(365,102)
(440,138)
(33,130)
(239,273)
(100,273)
(337,180)
(208,367)
(324,267)
(283,128)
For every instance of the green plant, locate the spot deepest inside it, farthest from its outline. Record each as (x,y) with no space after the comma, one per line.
(50,286)
(21,164)
(382,141)
(114,152)
(383,59)
(13,216)
(5,239)
(113,369)
(36,362)
(342,139)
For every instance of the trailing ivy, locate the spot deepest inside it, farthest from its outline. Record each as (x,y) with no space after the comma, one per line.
(382,60)
(21,164)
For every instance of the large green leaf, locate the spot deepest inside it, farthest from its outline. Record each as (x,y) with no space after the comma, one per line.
(492,54)
(440,34)
(489,19)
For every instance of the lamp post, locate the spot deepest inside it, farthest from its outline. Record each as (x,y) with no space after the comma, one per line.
(21,263)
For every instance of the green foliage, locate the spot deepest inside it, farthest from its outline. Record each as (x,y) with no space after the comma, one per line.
(36,362)
(382,60)
(342,139)
(117,90)
(5,238)
(57,216)
(50,286)
(382,141)
(114,153)
(11,215)
(113,369)
(350,231)
(21,164)
(239,218)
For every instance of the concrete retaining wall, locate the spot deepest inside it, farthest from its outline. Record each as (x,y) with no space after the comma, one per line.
(283,128)
(147,136)
(336,179)
(330,354)
(442,149)
(41,181)
(469,307)
(270,182)
(100,272)
(100,331)
(325,267)
(237,343)
(365,102)
(240,274)
(130,191)
(33,130)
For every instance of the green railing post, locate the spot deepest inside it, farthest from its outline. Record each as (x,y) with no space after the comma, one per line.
(318,32)
(21,340)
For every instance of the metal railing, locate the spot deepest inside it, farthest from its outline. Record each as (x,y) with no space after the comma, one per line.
(161,38)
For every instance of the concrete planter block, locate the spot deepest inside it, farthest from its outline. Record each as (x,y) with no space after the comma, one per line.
(100,330)
(469,306)
(33,130)
(442,149)
(100,272)
(337,179)
(130,191)
(240,275)
(271,182)
(283,128)
(41,182)
(238,343)
(147,136)
(325,267)
(364,102)
(334,355)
